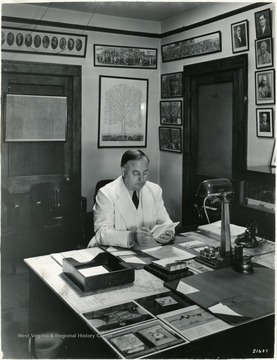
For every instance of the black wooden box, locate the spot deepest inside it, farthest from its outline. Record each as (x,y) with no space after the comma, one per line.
(118,272)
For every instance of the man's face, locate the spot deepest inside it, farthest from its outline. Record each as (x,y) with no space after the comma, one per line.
(135,174)
(263,47)
(262,20)
(264,117)
(264,80)
(239,31)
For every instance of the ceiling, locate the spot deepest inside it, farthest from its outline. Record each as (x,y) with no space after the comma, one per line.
(144,10)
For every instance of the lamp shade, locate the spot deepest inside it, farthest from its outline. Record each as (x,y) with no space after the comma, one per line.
(214,187)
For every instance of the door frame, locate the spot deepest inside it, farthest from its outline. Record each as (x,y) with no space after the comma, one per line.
(239,66)
(75,73)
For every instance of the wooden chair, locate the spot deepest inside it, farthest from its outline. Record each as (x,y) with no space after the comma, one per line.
(9,228)
(100,184)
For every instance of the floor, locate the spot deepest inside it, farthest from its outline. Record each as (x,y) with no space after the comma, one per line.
(14,311)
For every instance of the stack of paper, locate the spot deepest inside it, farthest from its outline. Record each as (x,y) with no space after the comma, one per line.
(213,230)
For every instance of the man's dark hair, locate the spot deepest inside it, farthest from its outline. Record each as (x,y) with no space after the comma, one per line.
(132,154)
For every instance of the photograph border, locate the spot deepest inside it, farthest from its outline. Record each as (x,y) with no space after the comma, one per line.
(256,17)
(142,85)
(175,46)
(256,53)
(272,99)
(40,48)
(242,48)
(164,76)
(181,112)
(273,156)
(179,151)
(149,67)
(259,133)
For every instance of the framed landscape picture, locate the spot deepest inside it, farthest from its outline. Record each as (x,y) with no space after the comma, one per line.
(170,139)
(123,108)
(172,85)
(171,112)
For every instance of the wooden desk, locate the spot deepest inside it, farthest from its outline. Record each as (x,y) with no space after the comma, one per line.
(56,305)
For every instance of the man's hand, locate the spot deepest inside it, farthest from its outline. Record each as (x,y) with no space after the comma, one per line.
(143,236)
(166,237)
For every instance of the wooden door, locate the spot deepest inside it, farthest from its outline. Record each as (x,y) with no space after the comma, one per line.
(29,162)
(215,125)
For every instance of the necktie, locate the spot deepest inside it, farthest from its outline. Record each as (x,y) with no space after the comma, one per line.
(135,199)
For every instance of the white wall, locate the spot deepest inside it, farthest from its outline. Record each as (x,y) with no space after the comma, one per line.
(99,163)
(259,150)
(166,168)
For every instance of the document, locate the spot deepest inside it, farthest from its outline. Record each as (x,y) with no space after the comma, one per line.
(93,270)
(213,230)
(158,230)
(193,322)
(167,252)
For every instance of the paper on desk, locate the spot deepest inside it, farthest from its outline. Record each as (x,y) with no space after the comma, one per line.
(169,251)
(133,260)
(223,309)
(83,255)
(112,249)
(93,270)
(158,230)
(123,253)
(185,288)
(192,244)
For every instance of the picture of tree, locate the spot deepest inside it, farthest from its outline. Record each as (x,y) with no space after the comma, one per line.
(123,112)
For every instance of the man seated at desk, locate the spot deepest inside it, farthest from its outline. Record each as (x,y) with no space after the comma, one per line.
(128,208)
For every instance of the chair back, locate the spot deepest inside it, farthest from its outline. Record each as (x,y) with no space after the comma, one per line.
(100,184)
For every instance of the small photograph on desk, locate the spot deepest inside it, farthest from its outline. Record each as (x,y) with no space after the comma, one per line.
(193,322)
(162,303)
(117,316)
(144,339)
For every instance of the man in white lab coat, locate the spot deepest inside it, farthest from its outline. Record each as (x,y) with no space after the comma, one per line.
(128,208)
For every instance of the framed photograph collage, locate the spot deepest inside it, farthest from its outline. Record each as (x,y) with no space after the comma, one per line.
(264,77)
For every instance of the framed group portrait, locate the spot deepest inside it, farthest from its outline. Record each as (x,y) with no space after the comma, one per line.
(263,24)
(171,112)
(170,139)
(125,56)
(264,53)
(265,87)
(123,109)
(240,37)
(264,121)
(172,85)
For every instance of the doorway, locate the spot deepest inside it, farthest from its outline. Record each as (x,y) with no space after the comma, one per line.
(215,126)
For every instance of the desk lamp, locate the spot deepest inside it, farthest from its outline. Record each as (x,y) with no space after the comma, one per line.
(218,188)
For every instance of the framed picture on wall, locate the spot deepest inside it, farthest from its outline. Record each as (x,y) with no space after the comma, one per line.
(264,120)
(265,87)
(171,112)
(240,38)
(172,85)
(123,108)
(273,157)
(263,23)
(170,139)
(125,56)
(264,53)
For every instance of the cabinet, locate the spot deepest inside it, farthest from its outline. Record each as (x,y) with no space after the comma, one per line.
(255,199)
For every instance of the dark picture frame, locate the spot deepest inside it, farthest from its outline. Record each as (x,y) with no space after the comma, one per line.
(240,36)
(123,112)
(195,46)
(264,121)
(273,156)
(43,42)
(263,18)
(264,53)
(125,56)
(171,112)
(265,87)
(170,139)
(172,85)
